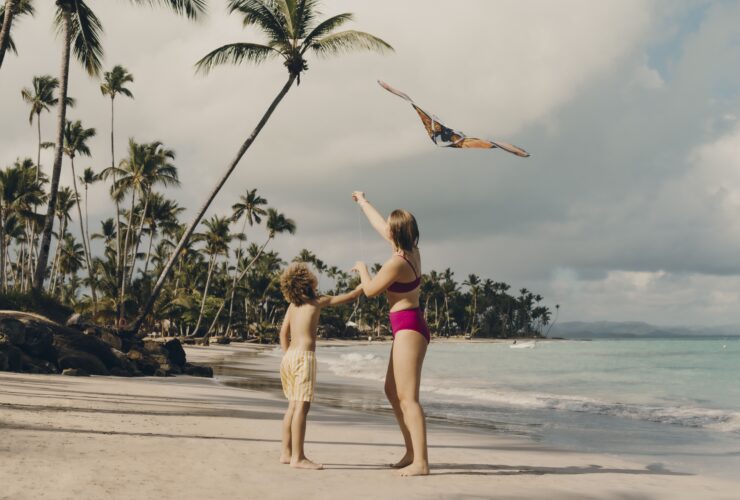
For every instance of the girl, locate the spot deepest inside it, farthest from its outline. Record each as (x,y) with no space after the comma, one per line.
(400,278)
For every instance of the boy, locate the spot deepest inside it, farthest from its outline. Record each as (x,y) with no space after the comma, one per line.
(298,367)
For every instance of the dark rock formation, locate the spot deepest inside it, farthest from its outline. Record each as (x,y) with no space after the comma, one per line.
(31,343)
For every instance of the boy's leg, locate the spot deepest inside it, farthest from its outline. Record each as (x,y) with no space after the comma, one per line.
(287,421)
(298,435)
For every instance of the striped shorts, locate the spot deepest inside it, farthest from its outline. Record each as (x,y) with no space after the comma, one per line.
(298,375)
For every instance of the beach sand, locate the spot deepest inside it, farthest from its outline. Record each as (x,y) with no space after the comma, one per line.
(189,438)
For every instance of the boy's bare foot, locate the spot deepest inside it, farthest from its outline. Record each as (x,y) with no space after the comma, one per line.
(407,459)
(305,463)
(420,469)
(285,459)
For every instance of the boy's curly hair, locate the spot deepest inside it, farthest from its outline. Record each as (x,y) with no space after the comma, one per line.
(298,284)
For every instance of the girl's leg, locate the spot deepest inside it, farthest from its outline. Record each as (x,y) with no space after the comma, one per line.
(298,430)
(287,420)
(392,395)
(409,349)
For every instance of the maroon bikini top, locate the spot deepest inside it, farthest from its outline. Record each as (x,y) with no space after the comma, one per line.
(405,287)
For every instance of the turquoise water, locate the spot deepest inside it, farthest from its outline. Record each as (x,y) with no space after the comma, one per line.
(623,396)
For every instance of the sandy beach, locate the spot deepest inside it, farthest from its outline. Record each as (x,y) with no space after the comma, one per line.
(183,437)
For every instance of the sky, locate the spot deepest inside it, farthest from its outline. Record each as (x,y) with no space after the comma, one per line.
(627,209)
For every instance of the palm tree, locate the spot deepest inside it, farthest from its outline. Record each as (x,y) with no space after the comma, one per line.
(161,214)
(292,30)
(75,143)
(40,98)
(79,26)
(277,223)
(114,83)
(148,165)
(88,178)
(18,192)
(217,239)
(65,203)
(8,11)
(249,206)
(473,283)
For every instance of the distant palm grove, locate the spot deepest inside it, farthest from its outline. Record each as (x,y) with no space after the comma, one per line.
(142,269)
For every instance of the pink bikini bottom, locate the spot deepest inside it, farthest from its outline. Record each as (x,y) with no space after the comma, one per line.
(409,319)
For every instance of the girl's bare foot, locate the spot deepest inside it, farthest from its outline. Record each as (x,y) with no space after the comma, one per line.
(415,469)
(407,459)
(305,463)
(285,459)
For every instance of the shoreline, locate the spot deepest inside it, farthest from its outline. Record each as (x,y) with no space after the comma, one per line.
(184,437)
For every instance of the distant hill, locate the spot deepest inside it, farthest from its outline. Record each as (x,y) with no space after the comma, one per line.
(636,329)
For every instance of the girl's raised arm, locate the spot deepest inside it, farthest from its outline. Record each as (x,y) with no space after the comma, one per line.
(376,219)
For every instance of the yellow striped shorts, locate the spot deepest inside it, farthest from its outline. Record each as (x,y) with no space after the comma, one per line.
(298,375)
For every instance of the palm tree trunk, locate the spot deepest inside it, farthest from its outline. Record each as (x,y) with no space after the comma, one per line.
(137,238)
(199,215)
(119,274)
(2,248)
(38,279)
(233,284)
(149,251)
(211,265)
(10,6)
(38,152)
(63,231)
(125,256)
(90,271)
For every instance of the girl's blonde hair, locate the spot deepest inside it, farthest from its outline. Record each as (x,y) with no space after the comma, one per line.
(404,230)
(298,284)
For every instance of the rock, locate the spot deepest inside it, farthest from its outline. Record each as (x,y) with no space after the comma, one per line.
(161,372)
(197,370)
(74,343)
(10,358)
(70,358)
(120,372)
(75,372)
(188,341)
(12,331)
(135,355)
(33,365)
(111,339)
(221,339)
(153,346)
(175,352)
(40,344)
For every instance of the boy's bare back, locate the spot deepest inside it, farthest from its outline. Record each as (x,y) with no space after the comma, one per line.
(302,323)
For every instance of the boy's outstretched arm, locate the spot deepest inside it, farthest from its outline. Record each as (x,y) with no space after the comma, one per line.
(335,300)
(285,331)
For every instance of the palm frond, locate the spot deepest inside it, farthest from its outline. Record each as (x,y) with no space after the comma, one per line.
(305,13)
(235,53)
(265,16)
(325,28)
(189,8)
(348,41)
(85,30)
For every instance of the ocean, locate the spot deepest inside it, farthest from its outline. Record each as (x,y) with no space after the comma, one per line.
(675,400)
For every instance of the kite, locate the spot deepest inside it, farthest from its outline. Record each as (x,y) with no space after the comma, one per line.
(448,138)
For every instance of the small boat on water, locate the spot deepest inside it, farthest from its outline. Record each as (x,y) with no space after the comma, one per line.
(523,345)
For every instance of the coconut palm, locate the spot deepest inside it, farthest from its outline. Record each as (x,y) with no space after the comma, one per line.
(161,214)
(114,83)
(276,223)
(65,203)
(40,98)
(474,284)
(75,143)
(8,12)
(292,30)
(18,193)
(148,165)
(217,239)
(79,27)
(88,178)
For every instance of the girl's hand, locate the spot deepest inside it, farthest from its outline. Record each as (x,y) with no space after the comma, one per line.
(358,196)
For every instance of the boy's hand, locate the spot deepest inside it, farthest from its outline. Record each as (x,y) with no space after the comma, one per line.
(358,266)
(358,287)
